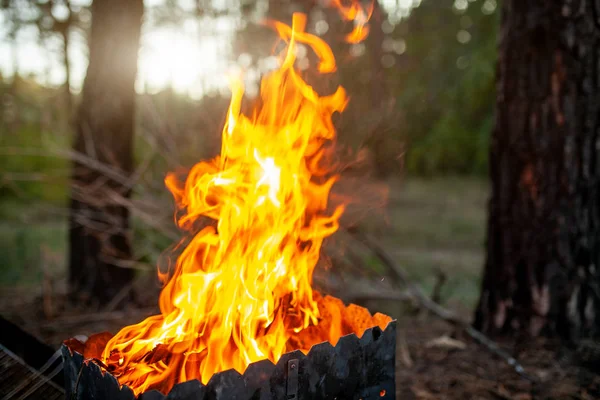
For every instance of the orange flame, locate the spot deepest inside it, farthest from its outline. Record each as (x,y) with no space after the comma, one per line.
(241,291)
(357,13)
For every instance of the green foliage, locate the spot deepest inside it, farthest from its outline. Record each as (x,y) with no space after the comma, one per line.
(29,170)
(445,86)
(32,130)
(421,90)
(375,265)
(22,249)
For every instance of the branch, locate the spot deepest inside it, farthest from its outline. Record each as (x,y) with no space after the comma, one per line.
(96,317)
(361,297)
(401,278)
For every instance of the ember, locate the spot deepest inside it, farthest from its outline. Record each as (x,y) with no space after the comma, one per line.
(241,291)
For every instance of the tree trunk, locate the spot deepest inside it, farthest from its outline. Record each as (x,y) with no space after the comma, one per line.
(379,92)
(378,140)
(100,246)
(14,53)
(68,96)
(542,272)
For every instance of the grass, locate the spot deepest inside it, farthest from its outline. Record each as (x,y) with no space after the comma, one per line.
(27,251)
(439,224)
(432,224)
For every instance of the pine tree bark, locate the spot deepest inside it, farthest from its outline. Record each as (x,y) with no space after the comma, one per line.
(542,272)
(99,239)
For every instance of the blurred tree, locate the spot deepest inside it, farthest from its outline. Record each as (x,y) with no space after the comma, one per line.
(423,80)
(50,17)
(360,71)
(444,83)
(13,25)
(380,139)
(542,273)
(51,21)
(99,239)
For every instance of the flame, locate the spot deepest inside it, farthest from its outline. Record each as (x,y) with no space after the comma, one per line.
(357,13)
(241,290)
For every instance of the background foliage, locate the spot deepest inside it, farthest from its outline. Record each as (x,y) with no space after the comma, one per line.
(422,95)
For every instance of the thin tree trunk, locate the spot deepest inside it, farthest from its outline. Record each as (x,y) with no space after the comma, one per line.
(68,96)
(14,53)
(379,99)
(374,41)
(99,225)
(542,272)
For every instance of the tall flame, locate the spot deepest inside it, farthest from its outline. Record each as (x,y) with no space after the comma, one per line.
(241,290)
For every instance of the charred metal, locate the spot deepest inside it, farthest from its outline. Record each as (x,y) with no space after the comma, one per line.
(355,368)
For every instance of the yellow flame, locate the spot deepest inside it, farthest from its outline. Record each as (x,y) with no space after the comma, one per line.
(241,289)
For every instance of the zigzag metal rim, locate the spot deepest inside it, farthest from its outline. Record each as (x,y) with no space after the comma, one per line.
(355,368)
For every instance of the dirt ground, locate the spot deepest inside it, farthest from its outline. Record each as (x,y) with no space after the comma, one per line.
(432,361)
(428,367)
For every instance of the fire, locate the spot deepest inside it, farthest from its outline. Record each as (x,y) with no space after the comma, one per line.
(241,290)
(357,13)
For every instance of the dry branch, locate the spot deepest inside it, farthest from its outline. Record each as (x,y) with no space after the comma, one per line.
(401,277)
(96,317)
(360,297)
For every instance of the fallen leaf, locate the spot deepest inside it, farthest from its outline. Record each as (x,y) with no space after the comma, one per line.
(522,396)
(502,393)
(446,342)
(421,393)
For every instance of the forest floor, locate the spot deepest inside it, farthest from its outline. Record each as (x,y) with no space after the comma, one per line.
(428,367)
(433,360)
(429,227)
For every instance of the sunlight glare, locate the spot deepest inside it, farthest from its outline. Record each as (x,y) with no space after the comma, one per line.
(172,57)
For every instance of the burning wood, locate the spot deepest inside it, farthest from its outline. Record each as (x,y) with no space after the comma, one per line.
(353,369)
(241,290)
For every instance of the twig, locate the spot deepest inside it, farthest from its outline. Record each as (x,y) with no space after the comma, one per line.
(366,296)
(356,291)
(404,351)
(95,317)
(436,293)
(401,277)
(119,297)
